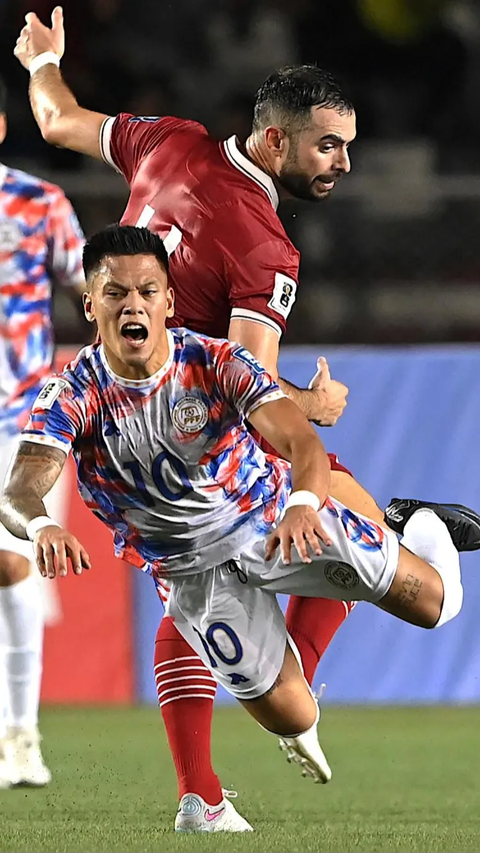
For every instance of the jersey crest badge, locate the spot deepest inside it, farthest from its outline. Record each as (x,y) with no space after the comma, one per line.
(190,414)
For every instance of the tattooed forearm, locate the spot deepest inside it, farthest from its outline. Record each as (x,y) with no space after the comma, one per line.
(34,471)
(411,587)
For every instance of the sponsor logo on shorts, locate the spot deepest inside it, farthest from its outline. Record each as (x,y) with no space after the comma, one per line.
(190,414)
(341,574)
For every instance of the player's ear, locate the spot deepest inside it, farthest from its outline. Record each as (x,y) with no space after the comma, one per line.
(170,309)
(3,127)
(88,306)
(276,140)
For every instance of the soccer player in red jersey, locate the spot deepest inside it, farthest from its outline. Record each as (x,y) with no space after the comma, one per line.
(214,204)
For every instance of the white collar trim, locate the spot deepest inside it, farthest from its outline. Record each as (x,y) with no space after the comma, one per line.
(243,164)
(3,174)
(141,383)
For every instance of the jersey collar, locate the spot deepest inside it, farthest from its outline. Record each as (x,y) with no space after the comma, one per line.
(243,164)
(141,383)
(3,174)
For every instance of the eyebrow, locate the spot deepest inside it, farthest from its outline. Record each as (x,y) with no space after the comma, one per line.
(334,137)
(126,289)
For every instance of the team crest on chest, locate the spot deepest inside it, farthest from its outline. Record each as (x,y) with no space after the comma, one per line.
(190,414)
(10,235)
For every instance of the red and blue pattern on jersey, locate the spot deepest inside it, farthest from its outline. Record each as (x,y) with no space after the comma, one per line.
(168,462)
(40,238)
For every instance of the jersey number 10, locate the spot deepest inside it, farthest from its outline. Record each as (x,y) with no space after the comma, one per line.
(158,476)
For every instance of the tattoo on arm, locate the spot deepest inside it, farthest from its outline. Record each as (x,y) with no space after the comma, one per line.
(34,471)
(37,467)
(411,587)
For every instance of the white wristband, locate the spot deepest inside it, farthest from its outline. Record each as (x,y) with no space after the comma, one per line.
(37,523)
(48,57)
(303,498)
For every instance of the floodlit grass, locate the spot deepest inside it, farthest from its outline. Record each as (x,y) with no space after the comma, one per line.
(404,780)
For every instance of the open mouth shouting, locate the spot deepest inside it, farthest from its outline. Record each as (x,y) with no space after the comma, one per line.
(134,333)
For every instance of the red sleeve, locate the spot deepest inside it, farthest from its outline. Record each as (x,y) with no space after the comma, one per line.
(261,266)
(125,140)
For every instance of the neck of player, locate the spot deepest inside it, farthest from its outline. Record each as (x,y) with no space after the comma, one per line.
(258,154)
(139,365)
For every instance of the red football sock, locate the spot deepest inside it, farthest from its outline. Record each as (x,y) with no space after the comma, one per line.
(186,690)
(312,624)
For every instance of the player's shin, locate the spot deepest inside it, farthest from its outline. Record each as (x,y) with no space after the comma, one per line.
(289,710)
(186,691)
(21,635)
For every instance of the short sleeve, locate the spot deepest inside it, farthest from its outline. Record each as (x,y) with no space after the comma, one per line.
(65,241)
(57,418)
(243,381)
(125,140)
(261,269)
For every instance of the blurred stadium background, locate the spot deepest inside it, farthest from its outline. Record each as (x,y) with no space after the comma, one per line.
(390,290)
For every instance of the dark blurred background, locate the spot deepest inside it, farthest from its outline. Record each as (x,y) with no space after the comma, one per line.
(394,255)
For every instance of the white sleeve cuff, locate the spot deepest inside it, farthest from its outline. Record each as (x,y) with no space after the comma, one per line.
(255,317)
(105,142)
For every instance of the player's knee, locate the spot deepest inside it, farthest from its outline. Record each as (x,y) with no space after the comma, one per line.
(13,568)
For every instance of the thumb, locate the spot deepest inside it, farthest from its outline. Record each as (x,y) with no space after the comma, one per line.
(323,368)
(322,374)
(57,19)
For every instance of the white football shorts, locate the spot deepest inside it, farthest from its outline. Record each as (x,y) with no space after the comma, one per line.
(230,615)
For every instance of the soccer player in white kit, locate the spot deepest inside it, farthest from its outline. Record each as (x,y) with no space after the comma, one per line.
(40,238)
(156,420)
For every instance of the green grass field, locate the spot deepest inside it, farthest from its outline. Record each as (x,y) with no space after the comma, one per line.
(404,780)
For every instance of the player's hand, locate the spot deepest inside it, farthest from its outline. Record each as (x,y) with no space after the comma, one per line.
(331,396)
(301,527)
(36,38)
(53,547)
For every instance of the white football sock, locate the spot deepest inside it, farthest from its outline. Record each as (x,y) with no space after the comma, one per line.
(427,536)
(21,640)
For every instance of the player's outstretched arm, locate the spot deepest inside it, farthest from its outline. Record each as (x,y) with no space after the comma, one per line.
(34,471)
(322,402)
(283,425)
(61,120)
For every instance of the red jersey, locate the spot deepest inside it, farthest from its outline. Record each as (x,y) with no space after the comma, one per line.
(216,212)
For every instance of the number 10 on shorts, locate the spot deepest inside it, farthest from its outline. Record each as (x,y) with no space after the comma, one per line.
(210,644)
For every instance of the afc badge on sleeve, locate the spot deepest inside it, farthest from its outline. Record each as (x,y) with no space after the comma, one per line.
(283,295)
(49,393)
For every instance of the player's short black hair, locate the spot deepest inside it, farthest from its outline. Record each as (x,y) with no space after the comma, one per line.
(287,96)
(122,240)
(3,97)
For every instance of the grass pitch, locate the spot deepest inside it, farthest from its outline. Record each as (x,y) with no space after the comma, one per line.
(404,780)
